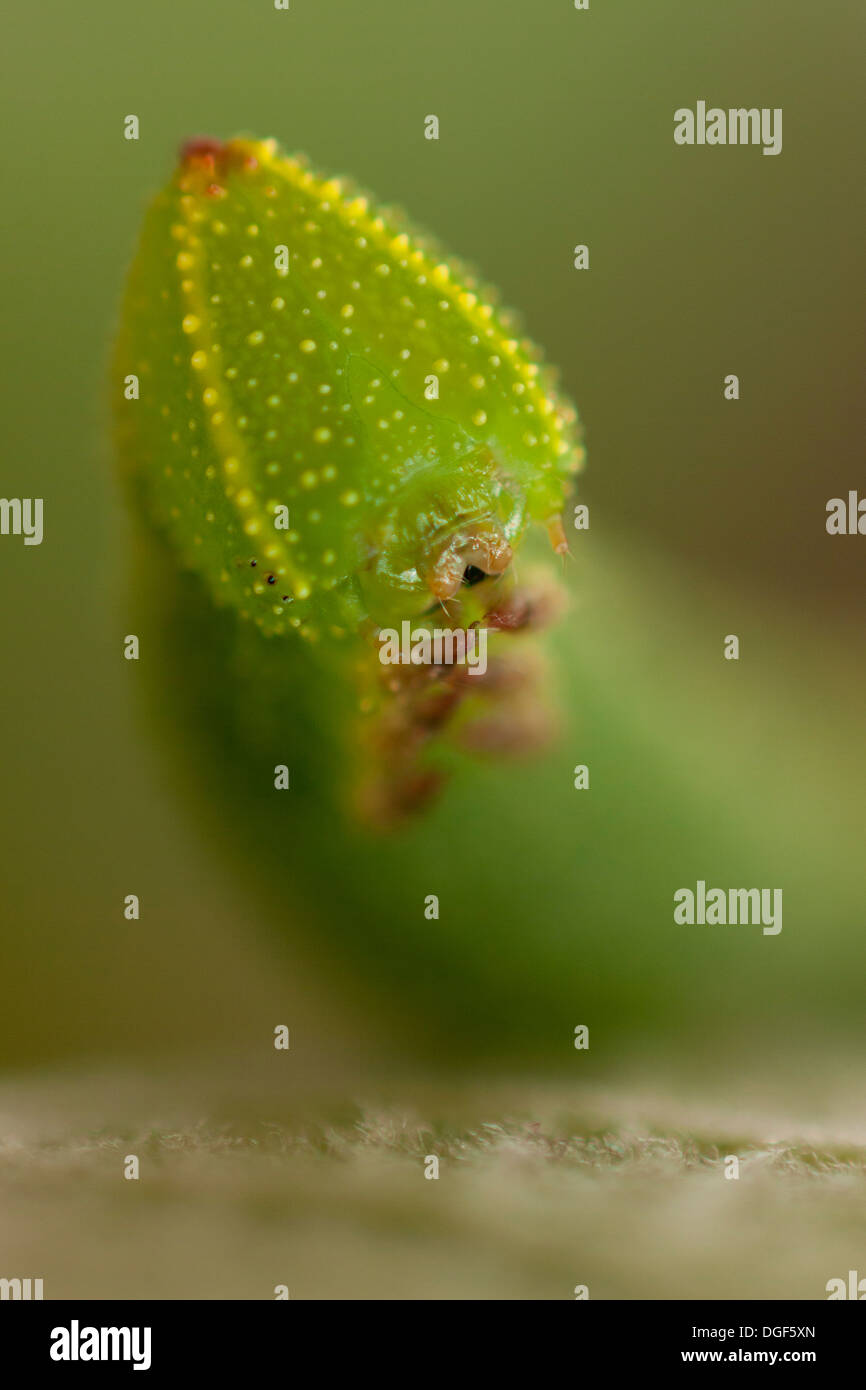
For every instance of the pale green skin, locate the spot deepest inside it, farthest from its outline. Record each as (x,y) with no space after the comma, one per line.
(306,390)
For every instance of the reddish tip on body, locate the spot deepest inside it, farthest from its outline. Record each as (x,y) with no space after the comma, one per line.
(201,151)
(205,155)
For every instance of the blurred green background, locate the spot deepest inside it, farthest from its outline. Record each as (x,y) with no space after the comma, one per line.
(707,517)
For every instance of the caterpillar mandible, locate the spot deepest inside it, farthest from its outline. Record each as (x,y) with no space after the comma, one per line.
(338,431)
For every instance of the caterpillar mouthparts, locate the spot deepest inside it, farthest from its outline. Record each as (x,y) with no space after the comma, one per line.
(334,424)
(483,549)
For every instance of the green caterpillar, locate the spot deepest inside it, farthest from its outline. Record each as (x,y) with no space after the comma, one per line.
(338,432)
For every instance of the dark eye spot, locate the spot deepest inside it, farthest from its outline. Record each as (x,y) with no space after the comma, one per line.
(272,579)
(473,575)
(253,563)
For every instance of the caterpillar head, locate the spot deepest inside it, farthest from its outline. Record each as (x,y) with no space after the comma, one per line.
(446,534)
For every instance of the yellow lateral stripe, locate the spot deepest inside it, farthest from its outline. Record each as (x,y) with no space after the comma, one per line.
(228,441)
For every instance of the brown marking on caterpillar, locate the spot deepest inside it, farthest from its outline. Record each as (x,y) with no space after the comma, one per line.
(526,608)
(385,803)
(519,725)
